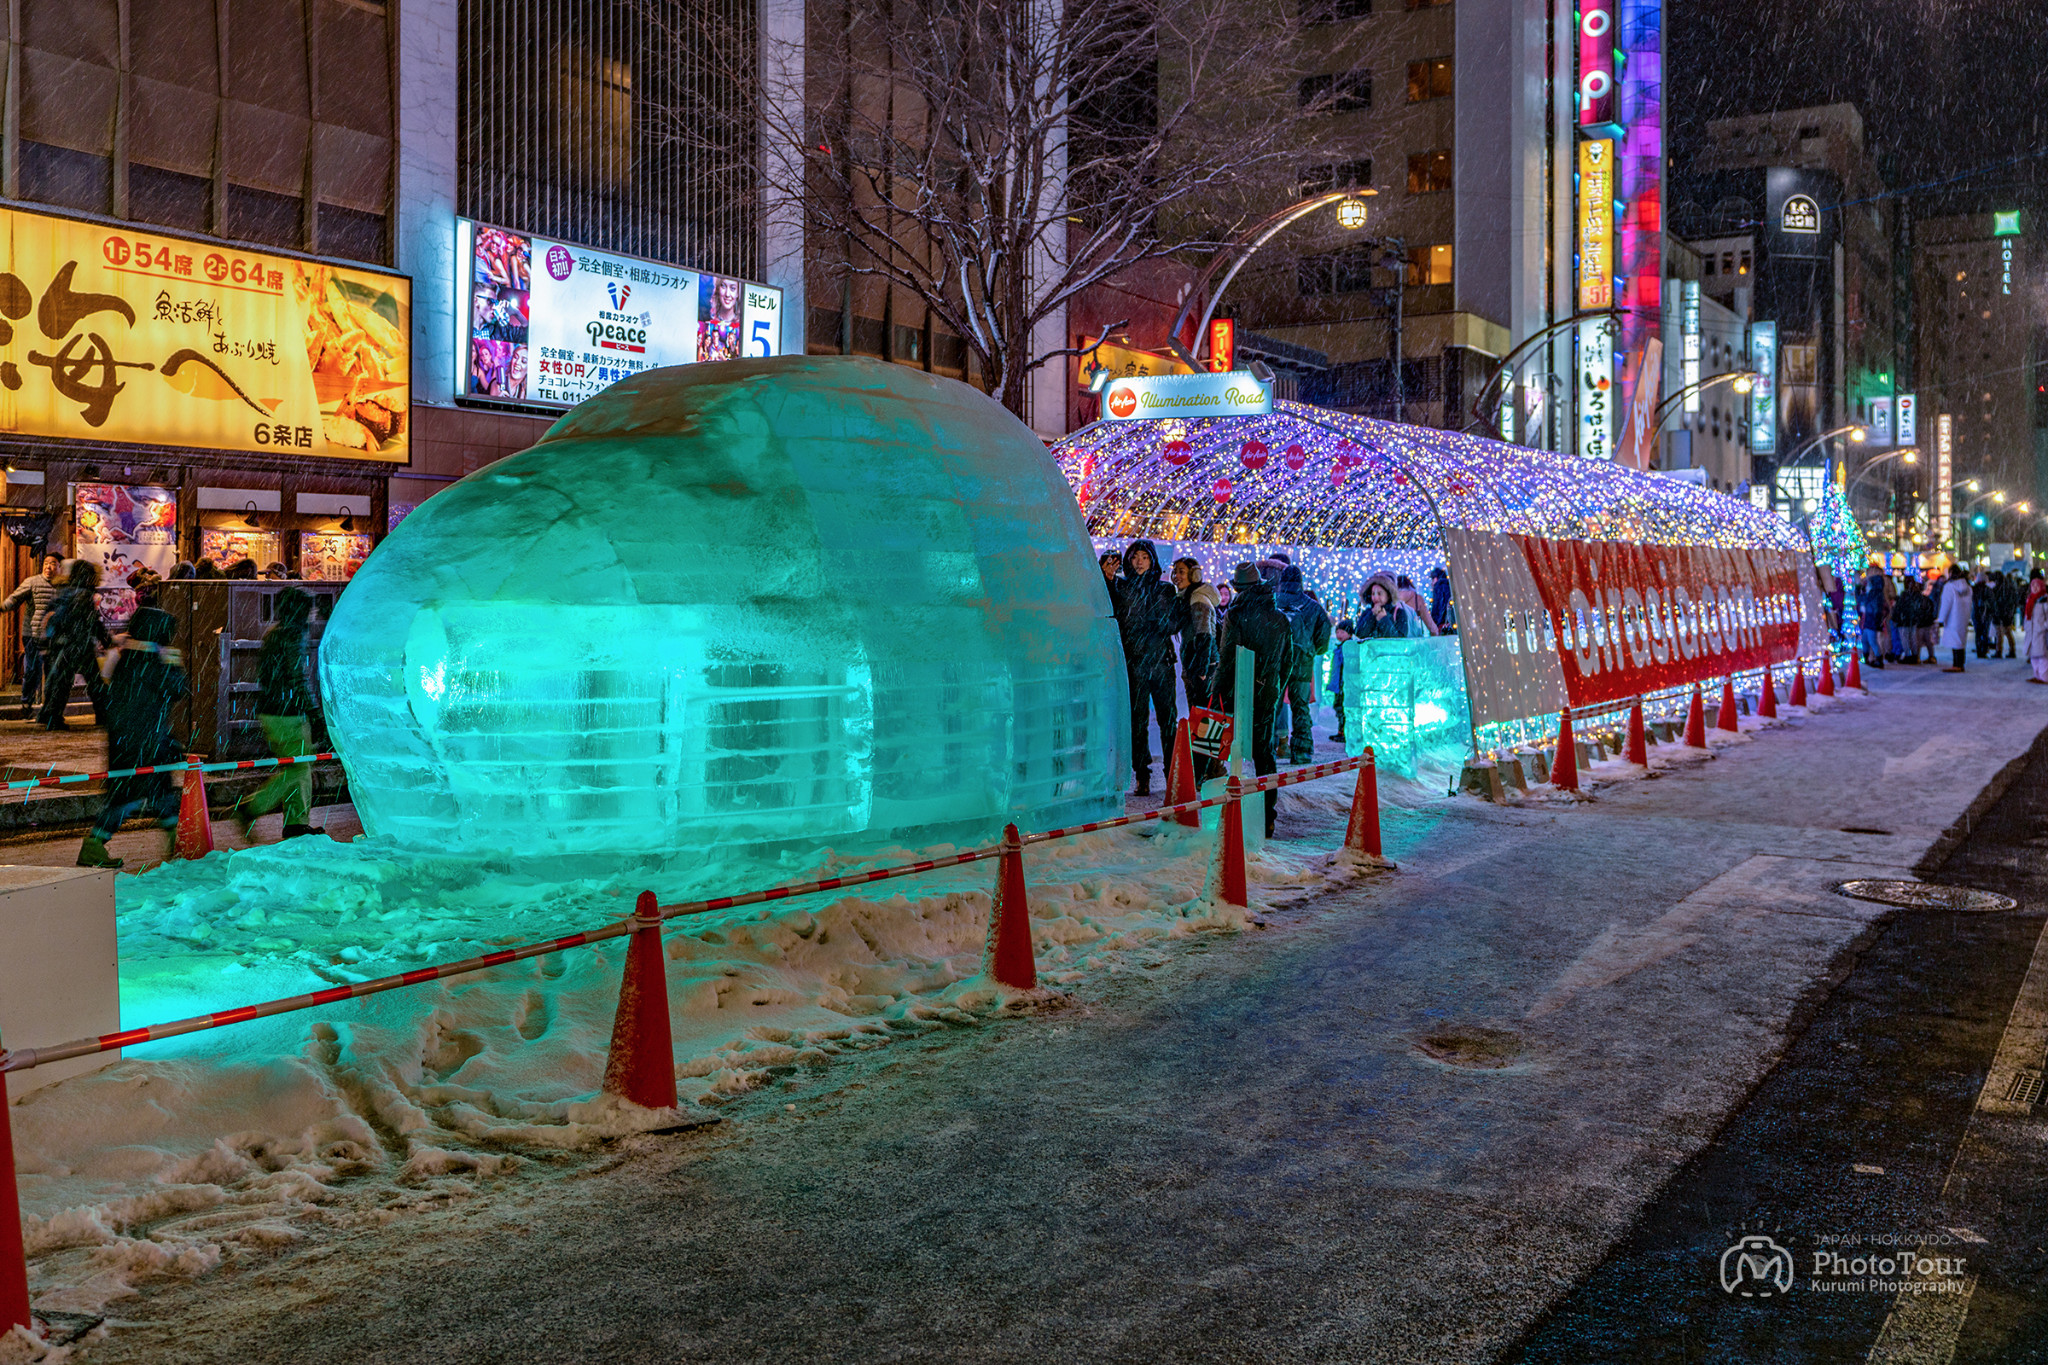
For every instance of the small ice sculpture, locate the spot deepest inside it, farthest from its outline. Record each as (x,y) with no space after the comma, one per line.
(764,602)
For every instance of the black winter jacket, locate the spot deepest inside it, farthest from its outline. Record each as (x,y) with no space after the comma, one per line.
(1260,626)
(1149,613)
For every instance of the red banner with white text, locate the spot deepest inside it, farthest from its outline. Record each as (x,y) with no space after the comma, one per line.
(1629,619)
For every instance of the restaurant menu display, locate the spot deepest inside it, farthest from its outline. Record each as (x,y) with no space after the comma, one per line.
(550,323)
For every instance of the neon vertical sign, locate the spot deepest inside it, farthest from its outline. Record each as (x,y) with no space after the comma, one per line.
(1944,477)
(1596,224)
(1597,83)
(1763,392)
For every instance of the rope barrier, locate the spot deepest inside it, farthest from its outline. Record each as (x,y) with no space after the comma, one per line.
(21,1059)
(230,765)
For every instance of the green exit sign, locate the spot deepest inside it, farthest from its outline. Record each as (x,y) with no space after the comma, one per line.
(2005,224)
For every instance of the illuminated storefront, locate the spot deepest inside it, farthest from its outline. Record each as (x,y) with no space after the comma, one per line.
(163,389)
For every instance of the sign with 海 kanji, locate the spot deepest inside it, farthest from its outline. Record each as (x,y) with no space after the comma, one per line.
(128,335)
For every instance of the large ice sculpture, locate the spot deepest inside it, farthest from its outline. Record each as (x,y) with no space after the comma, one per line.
(764,602)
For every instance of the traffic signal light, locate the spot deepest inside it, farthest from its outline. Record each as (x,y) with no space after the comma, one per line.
(1980,521)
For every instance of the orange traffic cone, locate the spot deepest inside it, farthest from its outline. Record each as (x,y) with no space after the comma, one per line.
(195,825)
(1726,720)
(1797,696)
(1827,673)
(641,1067)
(1637,750)
(1767,700)
(1854,676)
(1180,781)
(1235,892)
(1008,954)
(1564,773)
(1696,721)
(1362,835)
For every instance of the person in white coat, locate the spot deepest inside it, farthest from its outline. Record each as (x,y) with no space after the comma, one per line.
(2036,640)
(1955,617)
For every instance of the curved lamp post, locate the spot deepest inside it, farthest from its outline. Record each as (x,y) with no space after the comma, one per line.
(1350,215)
(1743,380)
(1854,431)
(1486,407)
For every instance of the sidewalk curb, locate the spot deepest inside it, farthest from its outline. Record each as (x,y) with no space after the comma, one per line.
(2001,782)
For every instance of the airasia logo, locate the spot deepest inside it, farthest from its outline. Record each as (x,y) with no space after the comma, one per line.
(1122,402)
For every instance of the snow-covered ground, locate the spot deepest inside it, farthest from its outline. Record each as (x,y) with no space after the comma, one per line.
(215,1144)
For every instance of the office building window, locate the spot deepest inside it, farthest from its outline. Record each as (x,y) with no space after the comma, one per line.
(1344,175)
(1315,12)
(1429,264)
(1429,80)
(1429,173)
(1342,92)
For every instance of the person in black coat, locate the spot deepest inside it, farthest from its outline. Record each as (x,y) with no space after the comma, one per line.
(149,679)
(75,635)
(1310,622)
(287,711)
(1149,614)
(1260,626)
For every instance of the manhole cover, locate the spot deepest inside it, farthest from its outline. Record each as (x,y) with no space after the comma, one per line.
(1483,1049)
(1923,895)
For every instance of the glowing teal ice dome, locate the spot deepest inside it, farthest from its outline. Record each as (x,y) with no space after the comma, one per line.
(796,600)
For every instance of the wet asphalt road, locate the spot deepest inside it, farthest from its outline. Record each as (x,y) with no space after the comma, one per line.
(1856,1143)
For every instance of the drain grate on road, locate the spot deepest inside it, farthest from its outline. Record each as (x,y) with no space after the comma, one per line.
(2025,1088)
(1922,895)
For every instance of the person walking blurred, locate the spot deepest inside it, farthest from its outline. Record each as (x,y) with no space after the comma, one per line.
(1907,616)
(149,679)
(1201,612)
(1870,613)
(286,711)
(75,635)
(1310,624)
(1256,623)
(37,591)
(1980,610)
(2005,612)
(2036,636)
(1150,616)
(1338,637)
(1955,617)
(1441,609)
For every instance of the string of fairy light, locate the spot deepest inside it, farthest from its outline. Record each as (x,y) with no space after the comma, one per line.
(1346,496)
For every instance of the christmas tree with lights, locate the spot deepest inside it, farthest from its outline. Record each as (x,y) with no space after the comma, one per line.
(1837,540)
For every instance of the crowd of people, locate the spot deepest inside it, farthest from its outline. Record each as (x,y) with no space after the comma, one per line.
(1178,628)
(136,678)
(1898,618)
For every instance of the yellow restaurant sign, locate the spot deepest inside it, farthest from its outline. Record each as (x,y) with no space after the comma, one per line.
(1596,224)
(125,335)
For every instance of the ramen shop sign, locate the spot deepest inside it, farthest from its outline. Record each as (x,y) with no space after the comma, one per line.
(1237,393)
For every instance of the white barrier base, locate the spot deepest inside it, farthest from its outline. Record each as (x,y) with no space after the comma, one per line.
(60,973)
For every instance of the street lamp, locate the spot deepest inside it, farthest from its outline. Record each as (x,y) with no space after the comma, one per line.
(1350,204)
(1852,431)
(1741,380)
